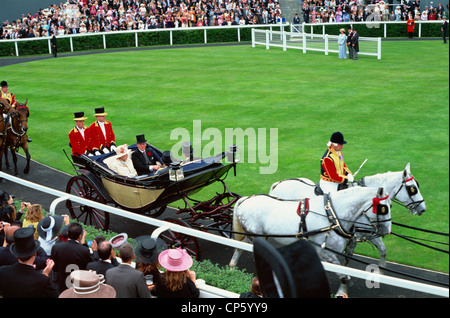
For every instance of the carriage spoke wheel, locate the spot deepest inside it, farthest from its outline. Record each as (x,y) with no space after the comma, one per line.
(80,186)
(175,239)
(156,212)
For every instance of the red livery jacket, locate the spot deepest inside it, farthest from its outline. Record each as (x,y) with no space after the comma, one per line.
(98,141)
(333,168)
(77,142)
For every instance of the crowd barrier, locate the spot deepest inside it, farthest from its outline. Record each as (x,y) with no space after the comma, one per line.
(209,291)
(136,33)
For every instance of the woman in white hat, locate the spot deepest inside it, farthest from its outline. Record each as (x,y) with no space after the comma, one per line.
(177,281)
(121,162)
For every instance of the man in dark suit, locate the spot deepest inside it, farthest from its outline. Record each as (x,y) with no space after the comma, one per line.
(143,160)
(349,43)
(355,44)
(126,280)
(107,259)
(444,28)
(22,280)
(70,255)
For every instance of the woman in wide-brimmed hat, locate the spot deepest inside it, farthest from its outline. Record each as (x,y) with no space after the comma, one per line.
(177,281)
(121,162)
(147,250)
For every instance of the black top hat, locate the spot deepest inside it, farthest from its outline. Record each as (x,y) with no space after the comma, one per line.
(147,249)
(140,139)
(100,111)
(298,270)
(187,148)
(338,138)
(166,158)
(3,84)
(79,116)
(24,244)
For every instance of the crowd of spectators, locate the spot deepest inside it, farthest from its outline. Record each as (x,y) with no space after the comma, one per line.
(323,11)
(82,16)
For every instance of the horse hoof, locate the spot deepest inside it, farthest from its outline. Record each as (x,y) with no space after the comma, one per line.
(26,171)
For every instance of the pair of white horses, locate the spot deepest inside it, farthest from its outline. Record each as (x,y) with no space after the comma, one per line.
(355,211)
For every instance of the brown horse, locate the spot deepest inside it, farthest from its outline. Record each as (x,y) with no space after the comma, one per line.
(16,136)
(5,106)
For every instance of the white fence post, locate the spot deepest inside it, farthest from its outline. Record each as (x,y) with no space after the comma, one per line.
(304,43)
(16,46)
(267,39)
(71,44)
(379,49)
(104,41)
(326,44)
(253,38)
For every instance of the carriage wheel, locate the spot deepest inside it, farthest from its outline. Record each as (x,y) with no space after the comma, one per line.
(175,239)
(82,187)
(226,213)
(156,212)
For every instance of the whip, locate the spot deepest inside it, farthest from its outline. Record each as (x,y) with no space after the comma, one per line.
(359,168)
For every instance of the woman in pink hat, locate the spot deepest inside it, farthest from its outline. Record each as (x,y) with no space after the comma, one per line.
(177,281)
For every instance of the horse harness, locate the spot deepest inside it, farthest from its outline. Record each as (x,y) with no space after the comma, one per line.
(335,224)
(18,134)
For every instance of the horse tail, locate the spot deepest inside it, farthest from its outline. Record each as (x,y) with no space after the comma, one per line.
(237,227)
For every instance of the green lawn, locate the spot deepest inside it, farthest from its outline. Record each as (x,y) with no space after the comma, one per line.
(392,111)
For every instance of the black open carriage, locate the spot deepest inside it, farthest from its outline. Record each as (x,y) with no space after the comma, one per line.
(150,194)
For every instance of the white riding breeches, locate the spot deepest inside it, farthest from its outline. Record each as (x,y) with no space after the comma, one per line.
(328,187)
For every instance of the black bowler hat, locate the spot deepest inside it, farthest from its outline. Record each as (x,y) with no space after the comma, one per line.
(292,271)
(24,244)
(338,138)
(140,139)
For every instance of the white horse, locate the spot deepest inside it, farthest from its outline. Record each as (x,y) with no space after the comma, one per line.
(271,216)
(402,186)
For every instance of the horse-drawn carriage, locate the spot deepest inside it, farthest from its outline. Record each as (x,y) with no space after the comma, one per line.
(150,194)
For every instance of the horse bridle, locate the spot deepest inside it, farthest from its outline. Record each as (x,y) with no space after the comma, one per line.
(14,114)
(412,190)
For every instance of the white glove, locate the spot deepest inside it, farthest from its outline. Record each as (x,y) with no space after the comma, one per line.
(97,153)
(350,177)
(105,150)
(113,148)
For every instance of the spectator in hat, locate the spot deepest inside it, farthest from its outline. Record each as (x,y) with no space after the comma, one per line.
(101,134)
(107,259)
(177,281)
(333,171)
(147,250)
(411,24)
(78,136)
(121,162)
(70,255)
(342,40)
(126,280)
(22,280)
(355,44)
(7,209)
(143,159)
(48,230)
(349,43)
(86,284)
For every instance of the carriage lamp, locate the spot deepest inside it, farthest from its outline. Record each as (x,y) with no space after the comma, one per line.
(176,172)
(233,154)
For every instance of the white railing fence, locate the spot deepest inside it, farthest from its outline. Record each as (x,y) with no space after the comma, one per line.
(209,291)
(312,42)
(369,24)
(136,33)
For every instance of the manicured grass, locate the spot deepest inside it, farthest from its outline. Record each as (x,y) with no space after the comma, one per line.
(392,111)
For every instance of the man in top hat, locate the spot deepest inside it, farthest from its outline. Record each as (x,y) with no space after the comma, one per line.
(78,136)
(333,170)
(101,134)
(143,160)
(4,93)
(444,28)
(22,280)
